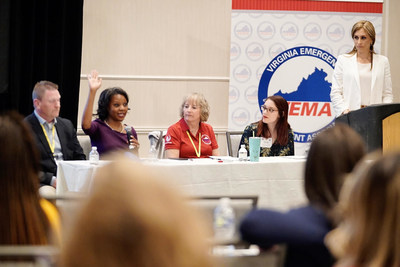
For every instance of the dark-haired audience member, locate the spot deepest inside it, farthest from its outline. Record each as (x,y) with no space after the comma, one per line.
(55,136)
(108,132)
(134,218)
(26,219)
(191,136)
(368,234)
(333,154)
(277,137)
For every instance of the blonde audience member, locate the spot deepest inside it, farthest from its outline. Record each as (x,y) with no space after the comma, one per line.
(25,218)
(191,137)
(134,219)
(369,234)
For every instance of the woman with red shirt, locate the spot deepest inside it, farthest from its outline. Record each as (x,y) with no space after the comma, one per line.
(191,137)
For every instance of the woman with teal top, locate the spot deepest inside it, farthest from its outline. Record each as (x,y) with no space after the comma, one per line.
(277,137)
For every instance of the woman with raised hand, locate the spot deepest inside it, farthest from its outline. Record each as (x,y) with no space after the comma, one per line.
(108,132)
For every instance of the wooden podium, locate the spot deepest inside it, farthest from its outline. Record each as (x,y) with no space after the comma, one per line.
(379,125)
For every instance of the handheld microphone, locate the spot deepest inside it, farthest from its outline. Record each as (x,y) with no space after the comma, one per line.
(128,136)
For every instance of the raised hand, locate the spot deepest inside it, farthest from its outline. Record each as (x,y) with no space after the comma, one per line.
(94,80)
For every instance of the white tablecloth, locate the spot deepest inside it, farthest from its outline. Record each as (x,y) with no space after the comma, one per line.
(278,181)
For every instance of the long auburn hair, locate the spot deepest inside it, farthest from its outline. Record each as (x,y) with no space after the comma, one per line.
(282,126)
(23,221)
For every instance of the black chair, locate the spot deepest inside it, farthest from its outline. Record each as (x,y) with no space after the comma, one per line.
(233,141)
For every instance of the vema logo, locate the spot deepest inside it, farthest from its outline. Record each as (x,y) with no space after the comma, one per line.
(302,76)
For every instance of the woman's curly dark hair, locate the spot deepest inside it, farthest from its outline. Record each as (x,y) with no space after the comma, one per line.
(105,98)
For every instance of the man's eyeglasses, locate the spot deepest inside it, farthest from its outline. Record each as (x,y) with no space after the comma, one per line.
(270,110)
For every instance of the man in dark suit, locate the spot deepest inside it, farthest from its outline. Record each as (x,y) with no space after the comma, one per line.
(55,137)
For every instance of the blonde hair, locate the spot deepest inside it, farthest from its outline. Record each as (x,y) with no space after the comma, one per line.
(134,219)
(41,87)
(369,234)
(199,100)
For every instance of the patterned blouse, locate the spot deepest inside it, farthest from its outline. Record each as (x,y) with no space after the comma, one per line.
(275,150)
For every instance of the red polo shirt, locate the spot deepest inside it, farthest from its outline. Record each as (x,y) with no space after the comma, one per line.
(177,138)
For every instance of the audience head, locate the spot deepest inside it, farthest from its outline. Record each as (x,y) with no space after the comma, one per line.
(22,219)
(280,107)
(134,218)
(332,156)
(46,100)
(368,27)
(106,99)
(370,207)
(197,100)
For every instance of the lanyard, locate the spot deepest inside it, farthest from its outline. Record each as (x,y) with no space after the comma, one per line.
(53,143)
(199,152)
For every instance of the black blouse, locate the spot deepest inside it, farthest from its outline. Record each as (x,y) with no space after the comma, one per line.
(275,150)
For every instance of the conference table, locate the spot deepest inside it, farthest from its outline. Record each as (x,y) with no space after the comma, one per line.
(277,181)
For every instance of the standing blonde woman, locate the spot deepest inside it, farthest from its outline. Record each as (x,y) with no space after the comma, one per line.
(361,77)
(369,234)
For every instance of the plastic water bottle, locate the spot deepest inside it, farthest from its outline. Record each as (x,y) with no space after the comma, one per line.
(153,152)
(94,155)
(224,220)
(242,153)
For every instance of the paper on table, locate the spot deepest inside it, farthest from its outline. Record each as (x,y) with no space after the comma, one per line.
(224,158)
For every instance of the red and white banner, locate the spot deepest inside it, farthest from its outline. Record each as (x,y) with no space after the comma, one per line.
(289,47)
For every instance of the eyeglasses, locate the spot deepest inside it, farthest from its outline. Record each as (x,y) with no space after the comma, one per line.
(270,110)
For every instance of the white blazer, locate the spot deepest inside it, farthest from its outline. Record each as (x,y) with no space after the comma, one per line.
(345,90)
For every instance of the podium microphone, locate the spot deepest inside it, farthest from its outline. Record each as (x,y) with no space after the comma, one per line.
(128,136)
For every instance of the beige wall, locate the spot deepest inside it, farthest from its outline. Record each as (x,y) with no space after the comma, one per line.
(391,42)
(160,50)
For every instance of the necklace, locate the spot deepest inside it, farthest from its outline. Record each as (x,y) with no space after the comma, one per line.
(122,127)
